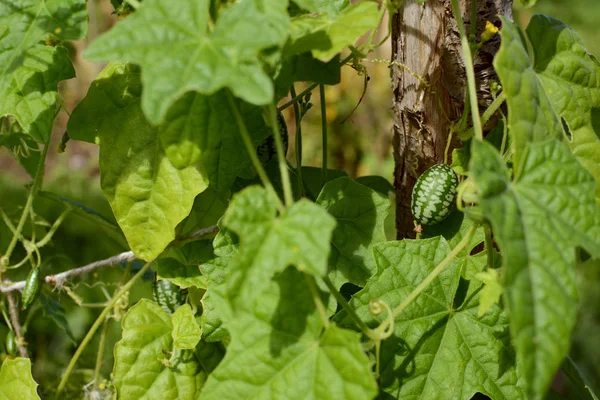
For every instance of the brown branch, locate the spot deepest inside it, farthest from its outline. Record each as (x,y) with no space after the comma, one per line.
(60,279)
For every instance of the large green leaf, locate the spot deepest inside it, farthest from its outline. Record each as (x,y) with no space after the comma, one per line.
(531,117)
(360,213)
(268,244)
(151,174)
(326,35)
(29,70)
(537,221)
(440,347)
(278,351)
(178,54)
(571,79)
(16,381)
(140,357)
(148,195)
(197,129)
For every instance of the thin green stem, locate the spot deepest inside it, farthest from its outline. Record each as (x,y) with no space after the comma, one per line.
(251,149)
(346,306)
(324,134)
(489,246)
(470,71)
(295,99)
(298,145)
(100,355)
(436,271)
(95,327)
(317,299)
(37,181)
(285,175)
(46,239)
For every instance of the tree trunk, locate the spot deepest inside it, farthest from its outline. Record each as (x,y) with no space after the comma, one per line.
(429,83)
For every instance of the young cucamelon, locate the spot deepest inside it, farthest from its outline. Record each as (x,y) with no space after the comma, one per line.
(168,295)
(434,195)
(33,284)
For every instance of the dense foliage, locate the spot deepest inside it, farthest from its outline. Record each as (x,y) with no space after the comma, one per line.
(276,280)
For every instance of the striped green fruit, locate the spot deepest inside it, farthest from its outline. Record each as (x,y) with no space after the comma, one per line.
(434,195)
(33,284)
(168,295)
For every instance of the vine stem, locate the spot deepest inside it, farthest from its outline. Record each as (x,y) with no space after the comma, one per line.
(490,111)
(283,170)
(346,306)
(100,355)
(252,150)
(477,127)
(298,145)
(95,327)
(324,133)
(436,271)
(37,181)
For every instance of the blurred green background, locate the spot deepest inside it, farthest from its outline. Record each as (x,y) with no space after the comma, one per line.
(360,144)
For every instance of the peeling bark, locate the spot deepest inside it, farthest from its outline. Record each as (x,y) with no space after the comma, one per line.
(429,83)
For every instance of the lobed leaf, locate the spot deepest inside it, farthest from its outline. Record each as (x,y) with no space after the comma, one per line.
(268,244)
(537,221)
(326,35)
(360,213)
(571,78)
(440,347)
(29,70)
(278,351)
(138,370)
(178,54)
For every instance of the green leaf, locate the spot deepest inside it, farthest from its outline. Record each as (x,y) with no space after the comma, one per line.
(139,372)
(312,179)
(30,71)
(360,213)
(268,244)
(182,275)
(208,207)
(325,35)
(56,312)
(331,7)
(197,129)
(186,332)
(148,195)
(377,183)
(277,351)
(577,382)
(491,292)
(437,350)
(16,381)
(214,268)
(30,94)
(537,221)
(571,78)
(531,117)
(178,54)
(304,67)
